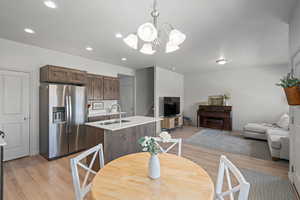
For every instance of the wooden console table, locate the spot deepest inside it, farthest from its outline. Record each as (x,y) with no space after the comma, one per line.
(172,122)
(216,117)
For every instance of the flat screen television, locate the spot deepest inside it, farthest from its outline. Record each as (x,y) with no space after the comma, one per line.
(171,106)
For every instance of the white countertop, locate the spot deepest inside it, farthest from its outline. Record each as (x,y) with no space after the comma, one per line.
(132,121)
(95,114)
(2,142)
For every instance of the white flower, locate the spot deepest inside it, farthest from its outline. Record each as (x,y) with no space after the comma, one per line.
(165,136)
(145,141)
(144,149)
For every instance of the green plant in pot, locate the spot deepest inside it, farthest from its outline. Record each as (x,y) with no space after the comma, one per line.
(290,84)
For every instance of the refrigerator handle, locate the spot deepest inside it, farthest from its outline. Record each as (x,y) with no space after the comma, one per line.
(70,113)
(67,113)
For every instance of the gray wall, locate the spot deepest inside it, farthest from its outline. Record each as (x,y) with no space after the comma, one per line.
(254,95)
(145,91)
(167,84)
(127,95)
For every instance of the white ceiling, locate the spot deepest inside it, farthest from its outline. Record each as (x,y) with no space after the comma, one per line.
(247,32)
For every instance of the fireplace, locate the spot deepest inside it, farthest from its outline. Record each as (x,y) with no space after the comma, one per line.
(216,117)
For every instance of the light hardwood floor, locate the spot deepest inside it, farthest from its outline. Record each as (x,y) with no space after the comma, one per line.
(34,178)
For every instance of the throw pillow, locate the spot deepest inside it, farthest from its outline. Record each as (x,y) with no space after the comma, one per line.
(284,121)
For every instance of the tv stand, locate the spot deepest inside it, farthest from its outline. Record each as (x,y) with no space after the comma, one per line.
(172,122)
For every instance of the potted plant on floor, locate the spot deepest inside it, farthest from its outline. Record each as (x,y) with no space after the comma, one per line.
(291,88)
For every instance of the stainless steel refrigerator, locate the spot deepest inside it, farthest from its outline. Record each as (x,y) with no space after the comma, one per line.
(62,118)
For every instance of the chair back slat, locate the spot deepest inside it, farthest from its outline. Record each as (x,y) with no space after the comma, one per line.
(174,143)
(82,189)
(90,168)
(86,168)
(229,182)
(225,168)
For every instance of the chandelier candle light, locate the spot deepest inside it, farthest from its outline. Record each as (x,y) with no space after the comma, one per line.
(149,36)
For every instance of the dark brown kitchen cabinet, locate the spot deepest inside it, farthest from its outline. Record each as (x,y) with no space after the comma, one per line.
(116,92)
(102,87)
(94,87)
(77,77)
(98,88)
(107,88)
(111,89)
(89,87)
(55,74)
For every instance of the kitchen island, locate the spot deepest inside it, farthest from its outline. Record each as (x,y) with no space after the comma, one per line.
(120,138)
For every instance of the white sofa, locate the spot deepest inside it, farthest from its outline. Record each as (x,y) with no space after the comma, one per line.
(276,134)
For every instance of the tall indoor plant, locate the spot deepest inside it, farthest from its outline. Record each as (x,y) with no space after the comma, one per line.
(290,84)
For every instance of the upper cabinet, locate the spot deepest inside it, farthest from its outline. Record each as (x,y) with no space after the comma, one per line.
(98,87)
(102,87)
(111,89)
(89,87)
(55,74)
(94,87)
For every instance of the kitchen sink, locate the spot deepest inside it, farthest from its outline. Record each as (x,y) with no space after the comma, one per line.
(113,122)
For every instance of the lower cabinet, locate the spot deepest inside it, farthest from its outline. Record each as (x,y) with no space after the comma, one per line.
(120,142)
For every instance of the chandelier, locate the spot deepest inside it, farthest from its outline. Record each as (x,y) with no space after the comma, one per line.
(149,37)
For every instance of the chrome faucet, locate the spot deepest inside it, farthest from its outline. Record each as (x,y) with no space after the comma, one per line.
(120,112)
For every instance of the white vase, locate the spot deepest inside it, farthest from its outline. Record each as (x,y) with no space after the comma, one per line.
(154,167)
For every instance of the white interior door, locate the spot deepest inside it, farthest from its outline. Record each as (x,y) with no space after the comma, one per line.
(14,113)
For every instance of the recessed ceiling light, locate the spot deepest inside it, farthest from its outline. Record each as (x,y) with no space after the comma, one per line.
(50,4)
(28,30)
(119,35)
(124,59)
(222,61)
(89,48)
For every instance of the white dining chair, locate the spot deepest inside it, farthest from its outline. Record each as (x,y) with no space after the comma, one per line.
(243,187)
(174,142)
(82,189)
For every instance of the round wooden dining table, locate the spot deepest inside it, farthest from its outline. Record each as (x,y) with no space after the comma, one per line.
(127,178)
